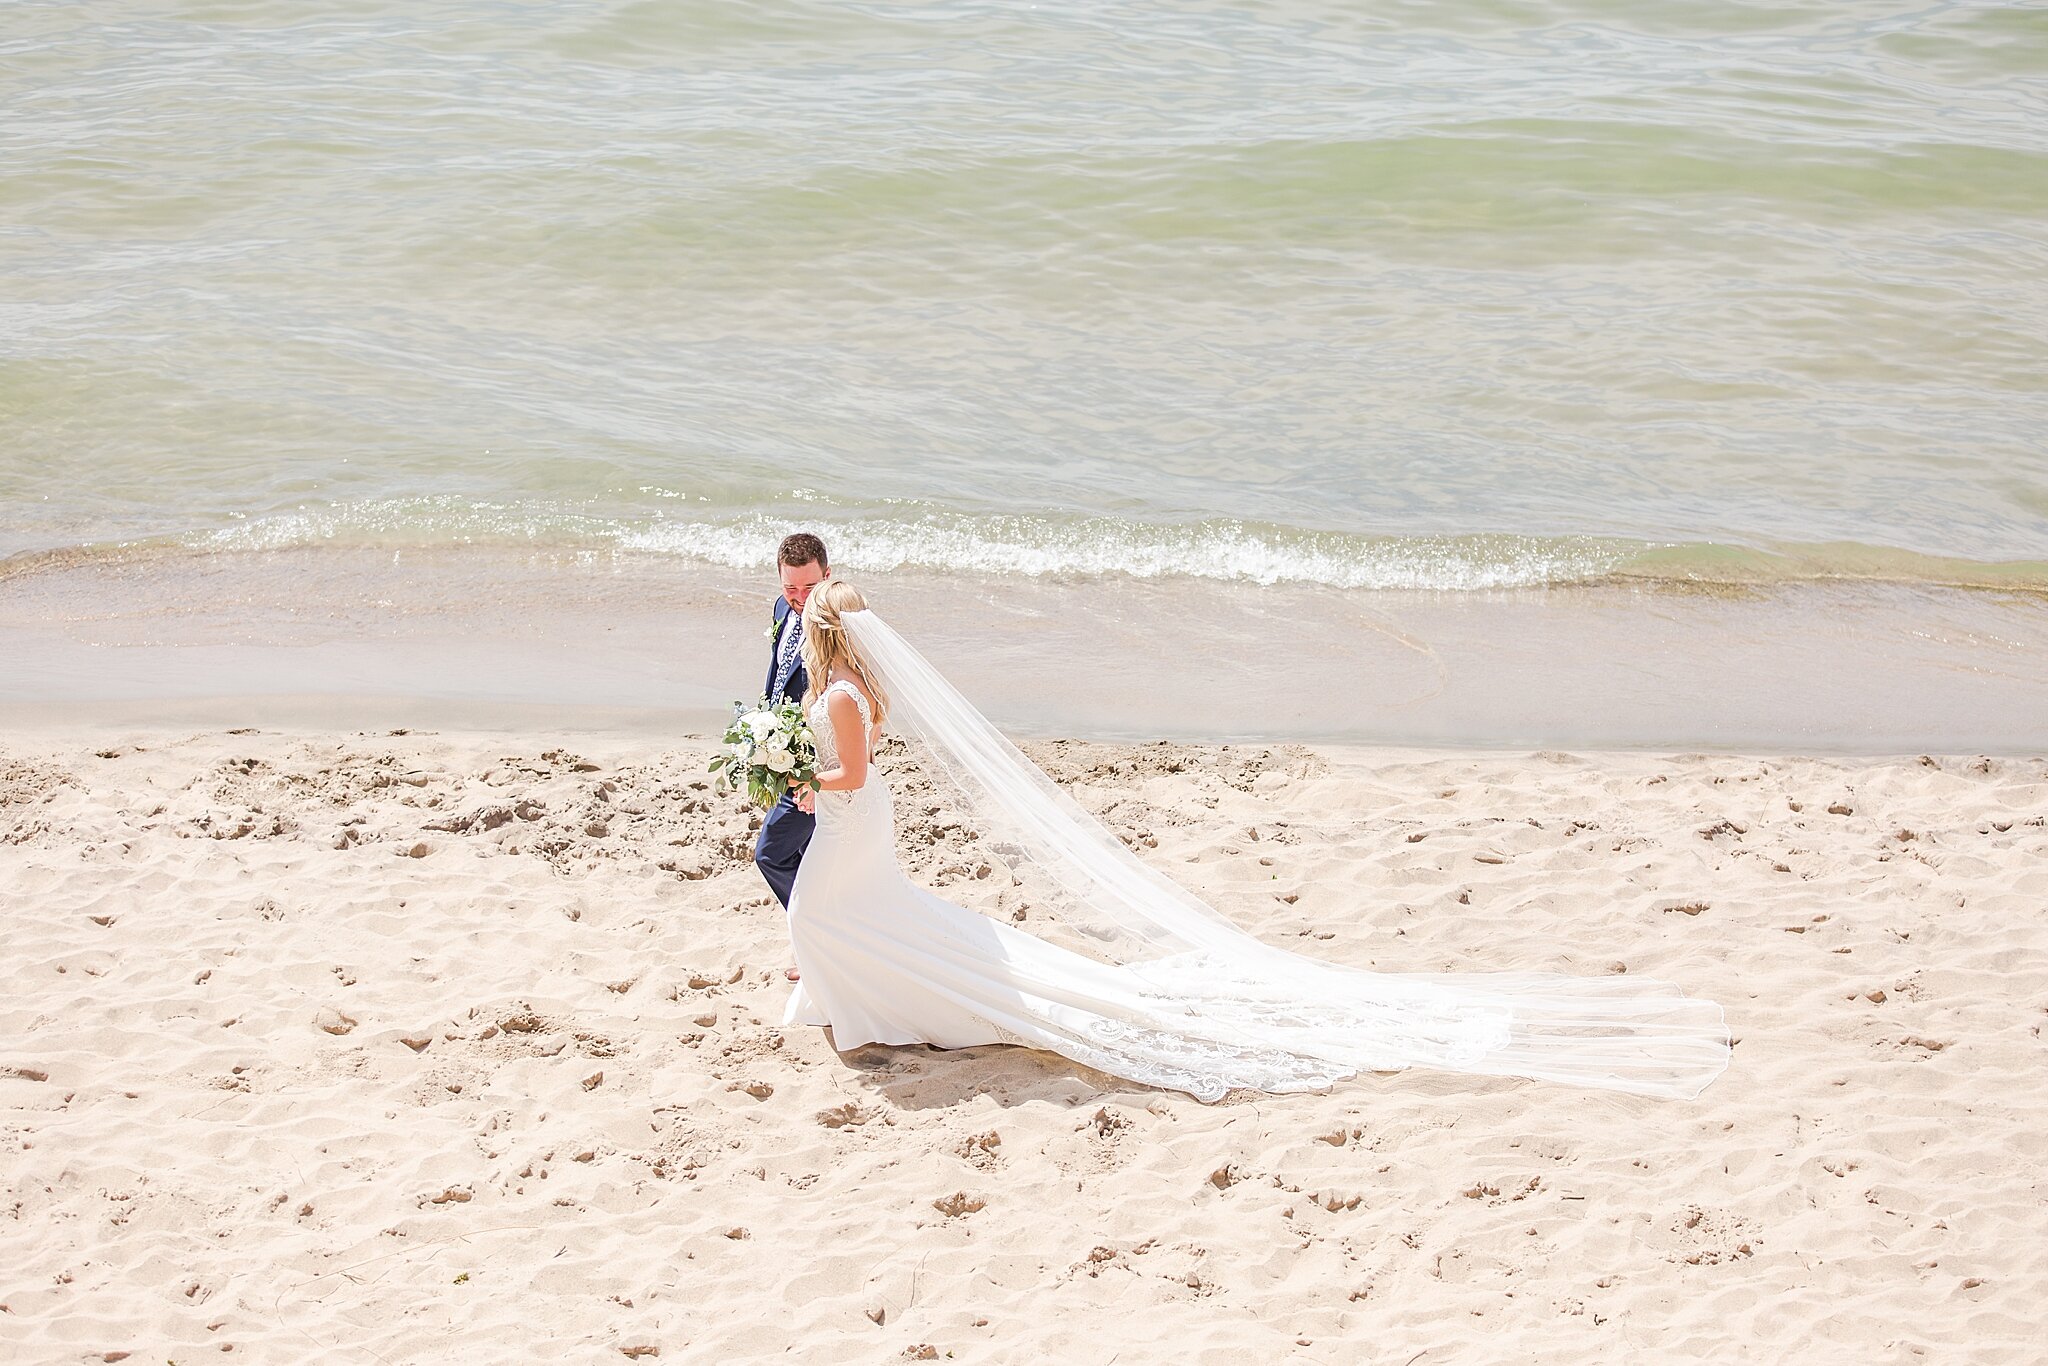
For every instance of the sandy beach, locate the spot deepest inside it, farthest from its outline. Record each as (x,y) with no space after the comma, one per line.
(324,1045)
(1545,487)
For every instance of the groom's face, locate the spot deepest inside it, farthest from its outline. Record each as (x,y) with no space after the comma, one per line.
(799,579)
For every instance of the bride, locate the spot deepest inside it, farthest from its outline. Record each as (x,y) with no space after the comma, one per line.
(1151,984)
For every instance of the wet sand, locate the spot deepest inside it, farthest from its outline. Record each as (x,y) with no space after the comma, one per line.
(330,635)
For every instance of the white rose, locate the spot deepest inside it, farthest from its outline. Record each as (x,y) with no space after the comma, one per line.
(778,759)
(760,723)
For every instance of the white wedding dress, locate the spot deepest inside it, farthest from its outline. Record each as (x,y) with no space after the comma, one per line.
(882,960)
(1175,995)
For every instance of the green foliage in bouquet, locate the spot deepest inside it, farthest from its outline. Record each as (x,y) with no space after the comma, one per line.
(766,746)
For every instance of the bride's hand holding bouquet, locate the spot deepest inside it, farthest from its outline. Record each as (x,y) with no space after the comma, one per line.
(768,753)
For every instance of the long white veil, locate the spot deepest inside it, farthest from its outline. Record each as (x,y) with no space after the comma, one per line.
(1253,1009)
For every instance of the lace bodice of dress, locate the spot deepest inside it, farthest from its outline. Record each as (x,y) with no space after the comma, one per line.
(821,722)
(870,792)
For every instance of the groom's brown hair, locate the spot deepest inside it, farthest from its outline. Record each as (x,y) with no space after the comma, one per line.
(802,548)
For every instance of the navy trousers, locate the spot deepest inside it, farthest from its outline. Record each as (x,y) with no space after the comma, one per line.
(785,834)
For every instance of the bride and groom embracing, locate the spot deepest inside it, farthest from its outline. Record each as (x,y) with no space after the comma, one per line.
(1151,984)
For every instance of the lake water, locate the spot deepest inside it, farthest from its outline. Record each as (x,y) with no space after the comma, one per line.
(1460,297)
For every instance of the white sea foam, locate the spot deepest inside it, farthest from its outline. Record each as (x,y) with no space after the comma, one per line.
(1032,546)
(1216,549)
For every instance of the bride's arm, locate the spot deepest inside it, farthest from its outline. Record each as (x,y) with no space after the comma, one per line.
(844,714)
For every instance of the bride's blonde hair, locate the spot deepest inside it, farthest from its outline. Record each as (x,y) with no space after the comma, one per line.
(826,646)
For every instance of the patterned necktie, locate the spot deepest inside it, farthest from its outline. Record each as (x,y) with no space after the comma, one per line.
(792,636)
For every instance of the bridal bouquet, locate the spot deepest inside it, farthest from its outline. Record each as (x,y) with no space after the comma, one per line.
(765,746)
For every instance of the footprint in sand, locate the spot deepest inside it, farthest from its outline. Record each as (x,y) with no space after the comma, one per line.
(844,1116)
(957,1204)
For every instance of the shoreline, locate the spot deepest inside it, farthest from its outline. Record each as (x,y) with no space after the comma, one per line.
(1214,548)
(320,634)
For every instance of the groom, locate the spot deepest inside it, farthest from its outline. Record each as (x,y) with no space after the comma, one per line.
(786,833)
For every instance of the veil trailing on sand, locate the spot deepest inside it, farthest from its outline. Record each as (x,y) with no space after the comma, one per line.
(1237,999)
